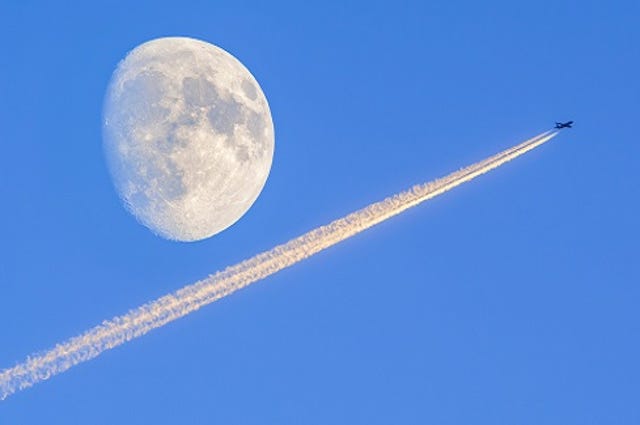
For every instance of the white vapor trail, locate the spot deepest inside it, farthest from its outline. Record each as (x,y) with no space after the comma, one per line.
(139,321)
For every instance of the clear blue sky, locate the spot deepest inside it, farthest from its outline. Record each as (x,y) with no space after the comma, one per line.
(511,300)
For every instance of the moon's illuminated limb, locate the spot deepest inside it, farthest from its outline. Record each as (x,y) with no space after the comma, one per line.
(188,137)
(137,322)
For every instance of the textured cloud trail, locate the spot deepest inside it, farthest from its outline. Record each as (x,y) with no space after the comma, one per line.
(154,314)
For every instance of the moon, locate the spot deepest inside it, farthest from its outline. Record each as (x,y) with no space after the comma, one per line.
(188,137)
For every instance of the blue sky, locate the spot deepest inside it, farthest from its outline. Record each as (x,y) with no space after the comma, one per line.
(513,299)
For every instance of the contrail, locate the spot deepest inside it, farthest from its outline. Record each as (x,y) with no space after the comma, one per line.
(154,314)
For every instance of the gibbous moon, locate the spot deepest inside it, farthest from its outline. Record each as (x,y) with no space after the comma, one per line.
(188,137)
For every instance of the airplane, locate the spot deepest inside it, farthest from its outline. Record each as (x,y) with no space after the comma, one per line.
(564,124)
